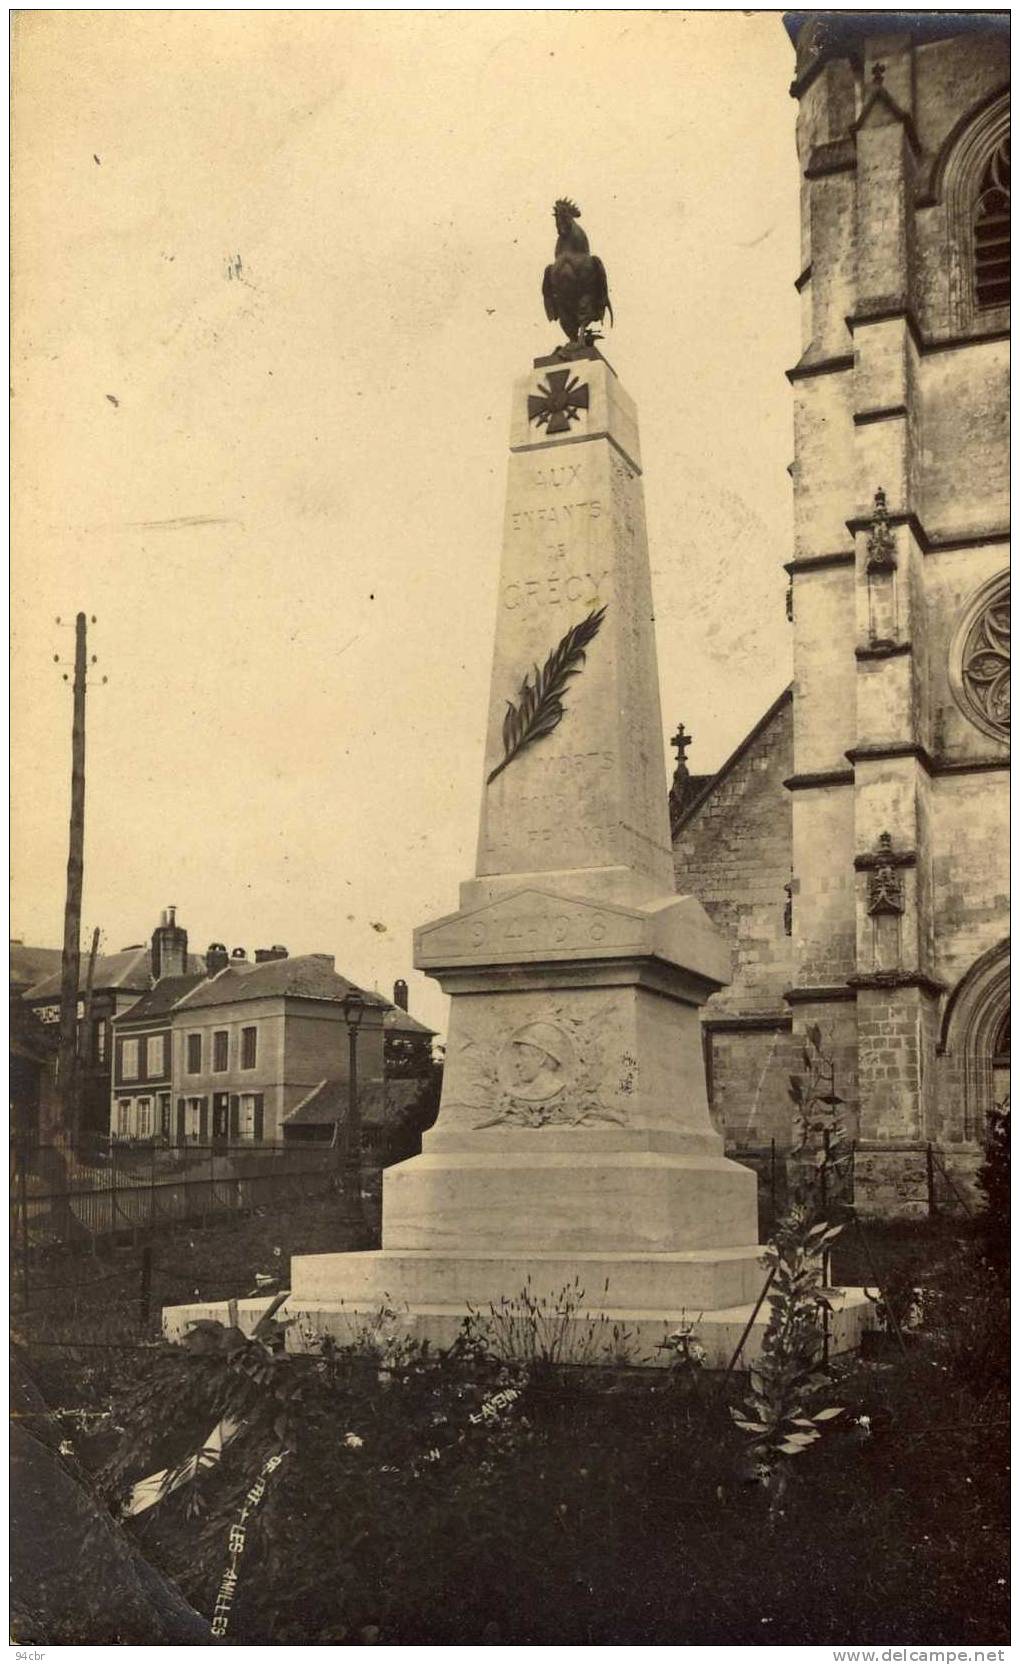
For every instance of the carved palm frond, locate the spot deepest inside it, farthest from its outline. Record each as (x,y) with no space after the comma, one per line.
(541,701)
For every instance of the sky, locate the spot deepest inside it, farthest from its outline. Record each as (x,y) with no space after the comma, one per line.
(274,275)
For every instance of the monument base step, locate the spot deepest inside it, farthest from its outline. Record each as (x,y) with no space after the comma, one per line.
(463,1279)
(603,1335)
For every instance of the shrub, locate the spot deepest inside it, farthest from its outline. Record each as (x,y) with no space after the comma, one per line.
(778,1412)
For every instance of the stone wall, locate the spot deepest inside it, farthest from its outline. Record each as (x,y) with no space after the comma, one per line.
(733,852)
(971,840)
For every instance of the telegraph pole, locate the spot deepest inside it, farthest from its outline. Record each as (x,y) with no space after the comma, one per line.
(86,1058)
(70,964)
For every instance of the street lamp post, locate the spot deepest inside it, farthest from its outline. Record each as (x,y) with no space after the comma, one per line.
(349,1144)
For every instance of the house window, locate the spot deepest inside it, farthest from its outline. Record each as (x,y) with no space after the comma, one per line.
(991,230)
(155,1064)
(100,1032)
(194,1118)
(129,1061)
(195,1056)
(250,1122)
(249,1047)
(123,1117)
(220,1043)
(144,1118)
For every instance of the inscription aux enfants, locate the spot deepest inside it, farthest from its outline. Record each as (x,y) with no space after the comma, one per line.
(554,521)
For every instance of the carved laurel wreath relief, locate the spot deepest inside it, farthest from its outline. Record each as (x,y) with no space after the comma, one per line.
(979,659)
(550,1071)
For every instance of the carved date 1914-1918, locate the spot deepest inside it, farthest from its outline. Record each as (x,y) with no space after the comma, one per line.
(539,931)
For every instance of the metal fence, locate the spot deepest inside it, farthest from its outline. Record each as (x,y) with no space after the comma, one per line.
(781,1175)
(68,1194)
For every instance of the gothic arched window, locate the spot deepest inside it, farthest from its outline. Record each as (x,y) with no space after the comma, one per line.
(971,178)
(991,230)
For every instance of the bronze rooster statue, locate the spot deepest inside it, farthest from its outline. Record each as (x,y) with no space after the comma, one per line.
(574,288)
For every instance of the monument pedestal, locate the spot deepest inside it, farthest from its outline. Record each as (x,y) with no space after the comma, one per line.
(574,1150)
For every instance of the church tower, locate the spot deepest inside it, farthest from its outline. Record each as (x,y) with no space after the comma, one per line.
(895,805)
(899,570)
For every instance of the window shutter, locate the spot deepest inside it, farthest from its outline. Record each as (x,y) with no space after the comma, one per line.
(235,1118)
(203,1121)
(180,1121)
(259,1118)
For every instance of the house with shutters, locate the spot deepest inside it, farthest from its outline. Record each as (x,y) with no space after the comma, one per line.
(225,1055)
(118,982)
(142,1086)
(252,1040)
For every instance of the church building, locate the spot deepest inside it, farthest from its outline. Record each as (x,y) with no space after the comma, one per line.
(855,846)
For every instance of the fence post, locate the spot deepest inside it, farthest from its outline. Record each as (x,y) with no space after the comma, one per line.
(113,1190)
(23,1200)
(145,1286)
(727,1373)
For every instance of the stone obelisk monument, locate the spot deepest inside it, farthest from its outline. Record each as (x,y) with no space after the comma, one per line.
(574,1137)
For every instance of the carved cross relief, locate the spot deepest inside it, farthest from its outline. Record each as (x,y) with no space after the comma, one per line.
(560,400)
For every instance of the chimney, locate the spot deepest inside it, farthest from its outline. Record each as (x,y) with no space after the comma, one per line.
(400,994)
(216,958)
(277,952)
(169,947)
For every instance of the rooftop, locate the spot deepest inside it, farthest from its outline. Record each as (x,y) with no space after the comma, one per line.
(306,977)
(162,997)
(379,1103)
(131,968)
(398,1022)
(28,964)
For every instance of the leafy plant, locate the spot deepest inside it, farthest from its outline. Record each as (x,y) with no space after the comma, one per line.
(779,1413)
(818,1127)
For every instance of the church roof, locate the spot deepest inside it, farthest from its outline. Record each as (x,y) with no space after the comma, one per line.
(712,781)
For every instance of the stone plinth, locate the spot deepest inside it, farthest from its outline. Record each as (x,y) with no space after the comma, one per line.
(662,1283)
(573,1144)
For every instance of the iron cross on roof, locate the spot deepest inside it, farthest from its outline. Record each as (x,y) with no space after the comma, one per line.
(559,401)
(681,740)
